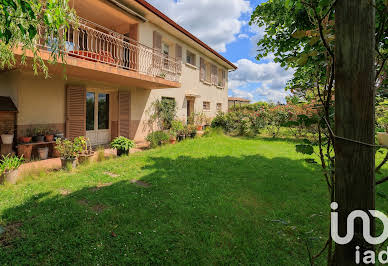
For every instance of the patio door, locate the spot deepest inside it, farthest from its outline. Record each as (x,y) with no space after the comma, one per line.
(98,117)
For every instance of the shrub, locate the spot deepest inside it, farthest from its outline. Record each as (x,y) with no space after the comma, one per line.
(163,112)
(211,132)
(177,128)
(122,143)
(157,138)
(220,121)
(70,149)
(10,163)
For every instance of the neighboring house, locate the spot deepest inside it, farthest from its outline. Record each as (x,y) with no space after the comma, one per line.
(123,56)
(237,102)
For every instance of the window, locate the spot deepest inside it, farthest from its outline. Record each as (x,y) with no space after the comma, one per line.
(103,111)
(166,53)
(219,83)
(219,107)
(190,58)
(208,77)
(90,103)
(168,99)
(206,106)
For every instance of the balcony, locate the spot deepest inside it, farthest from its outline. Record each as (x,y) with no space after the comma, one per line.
(91,47)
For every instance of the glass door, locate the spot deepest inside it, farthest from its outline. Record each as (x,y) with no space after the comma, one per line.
(97,117)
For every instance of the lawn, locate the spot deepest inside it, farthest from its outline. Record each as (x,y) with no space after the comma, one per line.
(216,200)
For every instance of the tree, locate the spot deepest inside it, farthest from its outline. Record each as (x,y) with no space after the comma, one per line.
(301,34)
(354,119)
(23,22)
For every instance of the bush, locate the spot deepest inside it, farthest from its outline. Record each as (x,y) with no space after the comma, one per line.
(122,143)
(177,128)
(220,121)
(211,132)
(71,149)
(157,138)
(10,163)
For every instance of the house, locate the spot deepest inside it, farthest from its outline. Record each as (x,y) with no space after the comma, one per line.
(237,102)
(122,57)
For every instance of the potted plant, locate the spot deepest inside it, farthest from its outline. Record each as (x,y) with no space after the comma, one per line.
(25,151)
(68,152)
(84,149)
(43,153)
(58,135)
(175,131)
(191,131)
(7,132)
(49,135)
(27,136)
(38,135)
(122,145)
(9,166)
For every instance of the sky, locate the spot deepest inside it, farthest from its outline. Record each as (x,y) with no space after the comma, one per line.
(223,25)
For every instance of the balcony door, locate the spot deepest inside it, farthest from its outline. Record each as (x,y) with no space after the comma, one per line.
(98,117)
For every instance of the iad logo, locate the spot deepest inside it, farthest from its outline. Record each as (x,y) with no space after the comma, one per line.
(369,256)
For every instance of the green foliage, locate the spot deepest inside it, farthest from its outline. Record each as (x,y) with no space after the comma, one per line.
(157,138)
(162,112)
(71,149)
(122,143)
(213,132)
(22,23)
(305,149)
(9,163)
(177,128)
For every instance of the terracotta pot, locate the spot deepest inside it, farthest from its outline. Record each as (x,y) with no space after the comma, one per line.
(55,153)
(43,153)
(172,140)
(7,139)
(71,162)
(25,139)
(49,138)
(25,151)
(199,128)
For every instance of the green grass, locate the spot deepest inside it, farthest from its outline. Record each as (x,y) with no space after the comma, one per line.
(216,200)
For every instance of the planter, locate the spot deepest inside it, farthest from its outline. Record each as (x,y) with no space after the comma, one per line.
(173,140)
(122,152)
(199,128)
(12,176)
(7,139)
(69,162)
(43,153)
(38,139)
(382,137)
(180,137)
(192,135)
(49,138)
(55,153)
(25,139)
(25,151)
(83,158)
(59,136)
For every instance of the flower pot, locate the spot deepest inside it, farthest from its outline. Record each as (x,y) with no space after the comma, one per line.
(38,139)
(181,137)
(12,176)
(173,140)
(199,128)
(55,153)
(7,139)
(25,139)
(122,152)
(49,138)
(382,137)
(59,136)
(25,151)
(69,162)
(43,153)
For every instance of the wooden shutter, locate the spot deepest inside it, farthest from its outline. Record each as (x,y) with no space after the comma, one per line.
(178,57)
(124,113)
(223,78)
(214,75)
(157,45)
(202,71)
(75,111)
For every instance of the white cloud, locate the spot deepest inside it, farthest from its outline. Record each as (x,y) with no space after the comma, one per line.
(242,94)
(216,22)
(243,36)
(271,79)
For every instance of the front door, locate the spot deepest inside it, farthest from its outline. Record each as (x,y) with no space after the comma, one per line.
(98,117)
(190,108)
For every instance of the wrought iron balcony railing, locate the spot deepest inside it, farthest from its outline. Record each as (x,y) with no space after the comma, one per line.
(95,43)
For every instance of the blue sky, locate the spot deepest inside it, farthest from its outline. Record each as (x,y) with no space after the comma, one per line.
(223,24)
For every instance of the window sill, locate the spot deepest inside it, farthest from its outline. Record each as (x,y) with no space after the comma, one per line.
(192,66)
(206,83)
(220,87)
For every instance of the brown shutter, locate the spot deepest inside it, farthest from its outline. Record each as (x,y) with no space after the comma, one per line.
(75,111)
(178,57)
(214,75)
(223,78)
(157,45)
(124,113)
(202,71)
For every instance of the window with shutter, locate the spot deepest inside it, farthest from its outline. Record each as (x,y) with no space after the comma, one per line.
(75,111)
(223,78)
(190,58)
(202,71)
(214,75)
(157,45)
(178,57)
(124,113)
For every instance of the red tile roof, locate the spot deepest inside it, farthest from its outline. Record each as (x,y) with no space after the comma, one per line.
(181,29)
(238,99)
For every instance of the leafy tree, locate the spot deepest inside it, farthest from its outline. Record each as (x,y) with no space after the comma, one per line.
(24,22)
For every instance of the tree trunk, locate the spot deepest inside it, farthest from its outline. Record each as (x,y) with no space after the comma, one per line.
(354,119)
